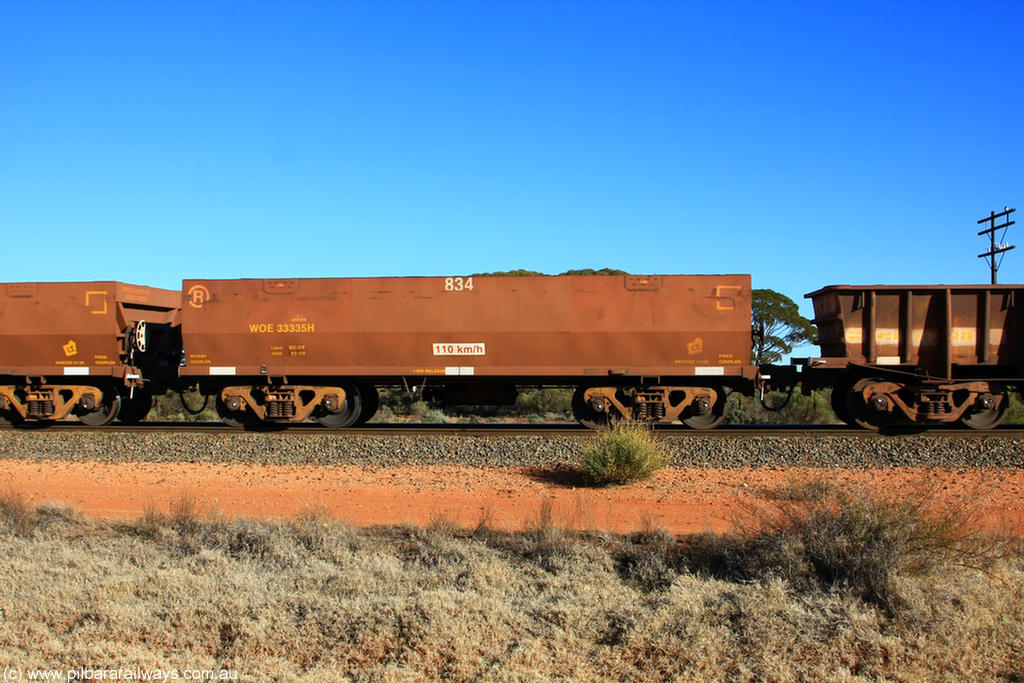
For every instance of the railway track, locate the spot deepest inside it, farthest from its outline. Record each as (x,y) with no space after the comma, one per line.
(504,430)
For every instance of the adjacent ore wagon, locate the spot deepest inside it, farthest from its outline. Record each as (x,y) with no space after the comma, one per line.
(660,348)
(95,350)
(924,354)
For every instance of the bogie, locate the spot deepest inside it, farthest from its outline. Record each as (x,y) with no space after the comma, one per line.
(698,407)
(875,404)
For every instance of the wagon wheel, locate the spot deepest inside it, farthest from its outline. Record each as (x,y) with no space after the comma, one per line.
(861,414)
(134,409)
(105,413)
(584,414)
(713,417)
(349,412)
(8,417)
(838,401)
(235,418)
(980,417)
(370,400)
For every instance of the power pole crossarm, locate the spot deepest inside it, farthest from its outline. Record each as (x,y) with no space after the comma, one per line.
(994,248)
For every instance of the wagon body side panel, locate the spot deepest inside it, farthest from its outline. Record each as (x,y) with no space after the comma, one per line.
(538,327)
(73,328)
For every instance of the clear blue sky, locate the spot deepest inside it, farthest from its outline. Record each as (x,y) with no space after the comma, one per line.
(806,143)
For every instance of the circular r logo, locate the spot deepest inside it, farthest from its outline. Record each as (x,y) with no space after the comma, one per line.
(197,296)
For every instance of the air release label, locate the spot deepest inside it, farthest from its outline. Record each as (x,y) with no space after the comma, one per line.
(460,349)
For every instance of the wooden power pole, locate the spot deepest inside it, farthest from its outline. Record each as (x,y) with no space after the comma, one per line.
(996,248)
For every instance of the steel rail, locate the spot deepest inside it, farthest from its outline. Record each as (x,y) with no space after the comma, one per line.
(505,430)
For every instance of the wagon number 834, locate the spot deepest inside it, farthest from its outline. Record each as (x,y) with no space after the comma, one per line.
(458,284)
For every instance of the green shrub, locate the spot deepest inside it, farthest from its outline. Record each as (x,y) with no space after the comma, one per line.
(543,401)
(418,408)
(434,416)
(798,409)
(622,452)
(167,408)
(384,415)
(1015,411)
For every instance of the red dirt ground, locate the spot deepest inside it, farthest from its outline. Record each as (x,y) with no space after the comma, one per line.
(679,500)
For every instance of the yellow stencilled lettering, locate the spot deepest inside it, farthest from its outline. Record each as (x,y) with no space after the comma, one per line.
(963,336)
(198,359)
(139,295)
(282,328)
(296,328)
(428,371)
(887,335)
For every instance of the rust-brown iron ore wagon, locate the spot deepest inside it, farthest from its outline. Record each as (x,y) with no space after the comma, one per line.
(659,347)
(94,350)
(927,354)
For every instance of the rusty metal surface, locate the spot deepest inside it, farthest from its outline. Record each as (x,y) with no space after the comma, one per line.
(538,327)
(70,329)
(947,331)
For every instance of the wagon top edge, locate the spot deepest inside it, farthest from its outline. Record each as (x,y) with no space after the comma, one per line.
(435,277)
(912,288)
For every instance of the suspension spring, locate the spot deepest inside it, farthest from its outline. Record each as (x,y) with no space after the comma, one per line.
(280,409)
(40,409)
(648,407)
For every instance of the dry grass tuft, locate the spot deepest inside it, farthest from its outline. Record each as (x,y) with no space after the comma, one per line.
(17,513)
(837,536)
(184,513)
(444,523)
(623,452)
(152,522)
(484,523)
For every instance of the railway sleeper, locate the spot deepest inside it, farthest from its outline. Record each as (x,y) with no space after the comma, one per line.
(977,404)
(284,403)
(48,402)
(699,407)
